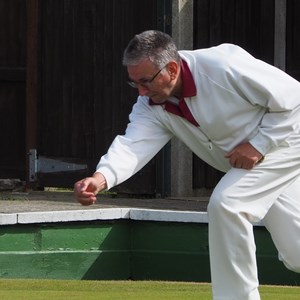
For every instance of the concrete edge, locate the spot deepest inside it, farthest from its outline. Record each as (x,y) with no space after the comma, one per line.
(168,216)
(137,214)
(8,219)
(73,215)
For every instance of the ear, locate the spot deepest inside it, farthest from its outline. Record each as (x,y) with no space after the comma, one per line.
(173,69)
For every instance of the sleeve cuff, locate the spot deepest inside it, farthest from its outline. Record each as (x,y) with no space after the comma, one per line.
(261,143)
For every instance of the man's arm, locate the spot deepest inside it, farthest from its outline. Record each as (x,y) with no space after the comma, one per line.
(264,85)
(128,153)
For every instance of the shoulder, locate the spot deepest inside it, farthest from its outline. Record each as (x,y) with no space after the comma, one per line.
(218,55)
(223,50)
(215,61)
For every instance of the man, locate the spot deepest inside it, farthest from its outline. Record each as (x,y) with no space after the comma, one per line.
(241,116)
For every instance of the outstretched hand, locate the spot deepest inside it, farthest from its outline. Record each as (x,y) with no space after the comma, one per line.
(85,190)
(244,156)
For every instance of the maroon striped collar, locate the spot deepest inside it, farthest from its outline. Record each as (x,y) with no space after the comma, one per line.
(189,90)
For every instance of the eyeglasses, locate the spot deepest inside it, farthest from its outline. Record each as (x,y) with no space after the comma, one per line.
(144,83)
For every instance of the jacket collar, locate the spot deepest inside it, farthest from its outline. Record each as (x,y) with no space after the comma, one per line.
(188,83)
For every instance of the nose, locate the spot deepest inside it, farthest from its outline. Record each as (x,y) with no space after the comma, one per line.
(142,90)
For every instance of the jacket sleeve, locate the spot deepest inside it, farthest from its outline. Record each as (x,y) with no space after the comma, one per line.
(128,153)
(269,87)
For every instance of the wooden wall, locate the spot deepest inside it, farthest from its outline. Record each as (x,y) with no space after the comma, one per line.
(74,72)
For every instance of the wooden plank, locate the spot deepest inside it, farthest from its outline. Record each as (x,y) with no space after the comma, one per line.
(32,76)
(292,39)
(280,35)
(12,30)
(12,88)
(12,74)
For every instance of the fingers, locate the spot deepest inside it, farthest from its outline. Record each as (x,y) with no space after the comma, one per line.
(87,199)
(83,192)
(80,186)
(243,162)
(244,156)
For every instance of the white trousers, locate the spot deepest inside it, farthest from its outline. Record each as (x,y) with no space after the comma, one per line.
(269,192)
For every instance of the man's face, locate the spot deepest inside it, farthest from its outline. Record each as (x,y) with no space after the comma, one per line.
(150,81)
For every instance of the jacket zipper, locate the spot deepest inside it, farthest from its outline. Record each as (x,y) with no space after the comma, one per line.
(210,144)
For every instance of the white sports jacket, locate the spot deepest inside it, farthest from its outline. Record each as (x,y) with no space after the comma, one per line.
(237,99)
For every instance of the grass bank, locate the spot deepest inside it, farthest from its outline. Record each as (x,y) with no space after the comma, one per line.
(123,290)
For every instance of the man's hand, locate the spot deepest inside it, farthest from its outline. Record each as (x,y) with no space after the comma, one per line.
(244,156)
(85,190)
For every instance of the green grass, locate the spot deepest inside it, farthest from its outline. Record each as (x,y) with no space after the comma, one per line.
(122,290)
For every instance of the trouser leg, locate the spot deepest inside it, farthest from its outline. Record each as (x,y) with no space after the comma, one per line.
(240,199)
(283,223)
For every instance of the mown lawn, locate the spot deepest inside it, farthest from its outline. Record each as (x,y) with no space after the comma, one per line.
(123,290)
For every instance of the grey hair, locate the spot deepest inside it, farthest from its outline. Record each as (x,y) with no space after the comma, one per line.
(154,45)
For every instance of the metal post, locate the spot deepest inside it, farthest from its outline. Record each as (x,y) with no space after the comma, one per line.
(181,156)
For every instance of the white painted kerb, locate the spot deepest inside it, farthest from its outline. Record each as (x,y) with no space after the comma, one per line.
(136,214)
